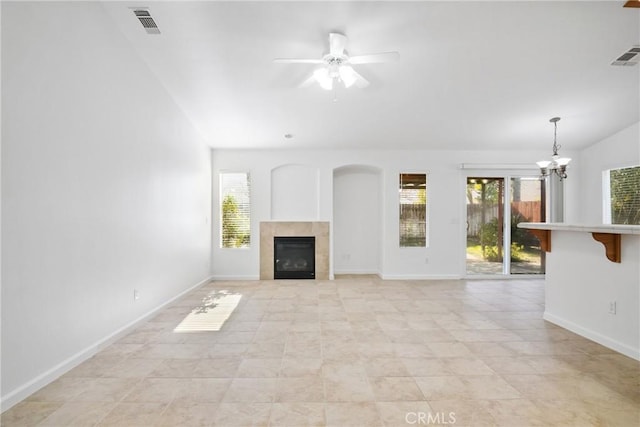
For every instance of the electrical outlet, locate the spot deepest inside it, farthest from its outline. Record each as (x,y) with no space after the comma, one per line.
(612,307)
(136,295)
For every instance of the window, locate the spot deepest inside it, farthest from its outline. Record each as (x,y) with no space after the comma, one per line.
(413,210)
(235,206)
(622,196)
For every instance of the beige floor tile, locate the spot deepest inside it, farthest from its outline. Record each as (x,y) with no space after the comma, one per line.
(96,366)
(175,368)
(26,414)
(302,389)
(254,390)
(388,389)
(202,390)
(348,389)
(303,349)
(189,414)
(259,368)
(443,388)
(515,412)
(78,414)
(510,365)
(426,366)
(403,414)
(352,414)
(337,369)
(105,389)
(385,367)
(488,387)
(461,412)
(266,349)
(131,414)
(61,390)
(297,414)
(445,349)
(133,367)
(301,367)
(309,353)
(161,390)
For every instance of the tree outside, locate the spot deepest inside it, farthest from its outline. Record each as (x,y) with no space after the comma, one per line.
(235,225)
(625,195)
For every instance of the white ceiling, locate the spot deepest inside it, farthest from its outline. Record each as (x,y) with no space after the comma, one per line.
(471,75)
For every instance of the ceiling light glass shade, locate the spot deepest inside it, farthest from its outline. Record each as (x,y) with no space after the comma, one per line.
(323,78)
(557,165)
(347,75)
(543,163)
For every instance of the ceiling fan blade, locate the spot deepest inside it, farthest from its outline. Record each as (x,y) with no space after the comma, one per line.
(360,82)
(308,82)
(337,43)
(374,58)
(298,61)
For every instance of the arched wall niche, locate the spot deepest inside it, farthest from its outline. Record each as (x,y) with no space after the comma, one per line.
(294,193)
(357,219)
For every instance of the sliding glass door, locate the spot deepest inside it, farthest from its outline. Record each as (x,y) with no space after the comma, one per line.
(495,246)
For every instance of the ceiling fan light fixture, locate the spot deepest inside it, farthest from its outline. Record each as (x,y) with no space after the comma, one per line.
(347,75)
(323,78)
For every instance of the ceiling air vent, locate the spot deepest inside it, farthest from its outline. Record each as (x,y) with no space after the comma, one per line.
(630,57)
(147,21)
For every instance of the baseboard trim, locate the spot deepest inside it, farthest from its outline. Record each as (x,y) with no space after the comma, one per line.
(222,277)
(420,276)
(360,272)
(25,390)
(625,349)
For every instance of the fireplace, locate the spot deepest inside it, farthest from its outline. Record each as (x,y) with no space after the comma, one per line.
(294,257)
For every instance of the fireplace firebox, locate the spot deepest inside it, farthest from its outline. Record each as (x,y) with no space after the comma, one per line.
(294,257)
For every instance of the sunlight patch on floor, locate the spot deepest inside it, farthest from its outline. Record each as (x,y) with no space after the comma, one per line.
(211,315)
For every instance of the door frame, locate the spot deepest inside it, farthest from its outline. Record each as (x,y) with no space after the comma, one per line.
(506,173)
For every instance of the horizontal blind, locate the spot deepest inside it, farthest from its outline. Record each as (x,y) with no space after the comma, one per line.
(625,195)
(235,202)
(413,210)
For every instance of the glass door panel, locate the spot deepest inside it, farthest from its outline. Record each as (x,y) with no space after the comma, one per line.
(485,219)
(527,205)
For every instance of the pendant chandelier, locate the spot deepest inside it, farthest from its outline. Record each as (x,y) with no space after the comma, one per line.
(557,164)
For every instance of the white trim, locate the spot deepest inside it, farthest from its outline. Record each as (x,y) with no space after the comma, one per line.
(347,271)
(420,277)
(30,387)
(503,276)
(625,349)
(220,277)
(500,166)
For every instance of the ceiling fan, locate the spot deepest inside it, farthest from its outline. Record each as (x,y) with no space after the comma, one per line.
(337,64)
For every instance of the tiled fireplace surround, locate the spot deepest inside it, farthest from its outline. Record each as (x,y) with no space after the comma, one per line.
(271,229)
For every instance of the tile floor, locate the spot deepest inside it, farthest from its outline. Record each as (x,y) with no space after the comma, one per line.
(357,351)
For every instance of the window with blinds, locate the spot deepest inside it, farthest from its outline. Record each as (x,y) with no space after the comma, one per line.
(413,210)
(235,206)
(622,203)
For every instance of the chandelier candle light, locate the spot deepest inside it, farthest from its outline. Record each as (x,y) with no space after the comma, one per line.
(557,164)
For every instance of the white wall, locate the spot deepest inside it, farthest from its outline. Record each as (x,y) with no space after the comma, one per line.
(446,187)
(357,217)
(619,150)
(105,188)
(294,193)
(581,283)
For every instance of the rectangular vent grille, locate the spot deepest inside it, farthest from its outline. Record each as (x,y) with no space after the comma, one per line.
(630,57)
(147,21)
